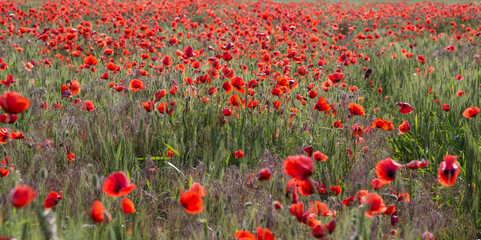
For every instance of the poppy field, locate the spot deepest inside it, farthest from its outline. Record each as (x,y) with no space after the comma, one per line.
(262,120)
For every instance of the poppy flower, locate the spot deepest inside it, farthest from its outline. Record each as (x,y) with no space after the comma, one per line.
(264,174)
(74,87)
(318,156)
(417,164)
(4,172)
(356,109)
(244,235)
(298,166)
(89,105)
(117,185)
(446,107)
(374,203)
(99,212)
(239,85)
(377,183)
(319,231)
(320,209)
(14,103)
(308,150)
(357,130)
(8,81)
(148,106)
(52,200)
(135,85)
(264,234)
(306,188)
(404,127)
(90,60)
(322,105)
(22,196)
(448,170)
(239,154)
(468,113)
(192,202)
(347,201)
(382,124)
(390,209)
(8,118)
(127,206)
(405,108)
(336,77)
(336,190)
(386,170)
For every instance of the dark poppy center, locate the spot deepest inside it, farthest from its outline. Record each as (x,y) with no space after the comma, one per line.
(447,172)
(391,173)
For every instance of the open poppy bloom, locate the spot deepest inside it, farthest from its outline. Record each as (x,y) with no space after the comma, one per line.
(52,200)
(127,206)
(404,127)
(89,105)
(405,108)
(135,85)
(22,196)
(239,154)
(448,170)
(148,106)
(4,172)
(99,212)
(117,185)
(374,203)
(298,166)
(191,200)
(322,105)
(264,234)
(386,170)
(14,103)
(356,109)
(90,60)
(377,183)
(244,235)
(318,156)
(471,112)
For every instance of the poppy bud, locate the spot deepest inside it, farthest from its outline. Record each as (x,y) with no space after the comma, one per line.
(264,174)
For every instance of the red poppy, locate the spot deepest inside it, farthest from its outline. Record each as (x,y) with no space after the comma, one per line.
(468,113)
(264,234)
(308,150)
(319,231)
(336,190)
(318,156)
(8,118)
(390,209)
(405,108)
(22,196)
(239,85)
(386,170)
(4,172)
(192,202)
(298,166)
(227,87)
(306,188)
(99,212)
(374,203)
(117,185)
(264,174)
(89,105)
(127,206)
(377,183)
(356,109)
(239,154)
(448,170)
(148,106)
(446,107)
(52,200)
(322,105)
(90,60)
(135,85)
(417,164)
(13,103)
(357,130)
(404,127)
(74,87)
(244,235)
